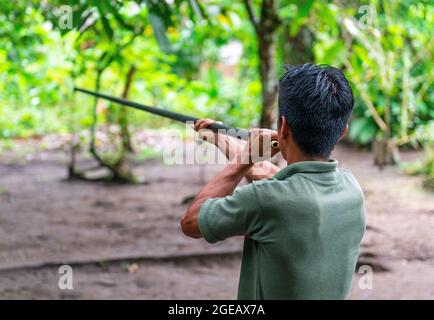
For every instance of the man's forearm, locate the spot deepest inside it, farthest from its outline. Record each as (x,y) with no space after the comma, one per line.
(262,170)
(226,181)
(229,146)
(223,184)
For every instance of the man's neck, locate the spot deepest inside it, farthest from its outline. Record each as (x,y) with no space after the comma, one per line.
(296,155)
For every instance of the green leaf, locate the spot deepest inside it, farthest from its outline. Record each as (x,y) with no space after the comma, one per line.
(159,31)
(362,130)
(368,133)
(356,127)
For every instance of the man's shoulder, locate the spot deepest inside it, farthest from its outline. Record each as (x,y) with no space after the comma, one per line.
(275,188)
(349,177)
(263,184)
(298,184)
(274,182)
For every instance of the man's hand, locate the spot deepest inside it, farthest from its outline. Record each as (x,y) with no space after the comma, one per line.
(201,126)
(231,147)
(225,182)
(257,149)
(259,146)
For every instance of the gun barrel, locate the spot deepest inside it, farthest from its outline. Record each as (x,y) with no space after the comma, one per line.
(235,132)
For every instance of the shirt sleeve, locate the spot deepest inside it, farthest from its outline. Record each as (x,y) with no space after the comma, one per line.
(234,215)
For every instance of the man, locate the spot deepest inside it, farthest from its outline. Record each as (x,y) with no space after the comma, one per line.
(303,224)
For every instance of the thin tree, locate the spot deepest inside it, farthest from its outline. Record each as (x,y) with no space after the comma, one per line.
(266,26)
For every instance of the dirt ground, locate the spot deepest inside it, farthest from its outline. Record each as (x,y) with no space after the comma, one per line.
(124,241)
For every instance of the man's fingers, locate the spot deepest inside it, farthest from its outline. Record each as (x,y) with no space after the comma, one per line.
(263,134)
(207,135)
(263,144)
(206,123)
(202,124)
(197,124)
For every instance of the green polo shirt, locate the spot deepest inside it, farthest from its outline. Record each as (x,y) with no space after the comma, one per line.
(303,231)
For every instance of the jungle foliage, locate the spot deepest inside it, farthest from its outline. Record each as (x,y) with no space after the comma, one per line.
(215,58)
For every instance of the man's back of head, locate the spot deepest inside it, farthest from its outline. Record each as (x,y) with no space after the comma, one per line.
(316,102)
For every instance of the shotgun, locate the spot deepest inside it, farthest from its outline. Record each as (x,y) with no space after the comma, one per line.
(234,132)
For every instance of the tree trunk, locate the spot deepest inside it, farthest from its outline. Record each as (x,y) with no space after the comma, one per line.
(266,33)
(95,116)
(73,143)
(267,71)
(297,49)
(123,118)
(385,149)
(122,168)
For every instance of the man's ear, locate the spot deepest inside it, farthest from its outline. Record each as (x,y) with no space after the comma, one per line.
(284,128)
(344,132)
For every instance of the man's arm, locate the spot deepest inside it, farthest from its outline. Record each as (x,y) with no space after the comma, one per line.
(221,185)
(230,146)
(225,182)
(262,170)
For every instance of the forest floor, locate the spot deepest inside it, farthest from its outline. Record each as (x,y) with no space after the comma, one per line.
(124,241)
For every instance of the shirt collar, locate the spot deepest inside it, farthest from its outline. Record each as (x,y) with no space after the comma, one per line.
(306,166)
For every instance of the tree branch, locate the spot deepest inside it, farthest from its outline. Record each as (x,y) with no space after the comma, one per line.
(269,17)
(251,14)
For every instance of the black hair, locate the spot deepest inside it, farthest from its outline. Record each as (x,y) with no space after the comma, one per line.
(316,101)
